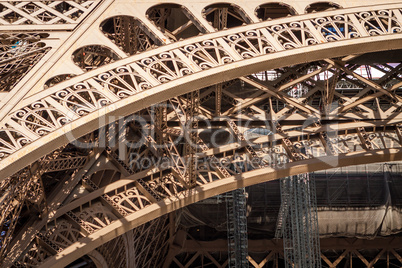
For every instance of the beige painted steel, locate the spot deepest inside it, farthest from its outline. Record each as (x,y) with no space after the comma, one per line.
(119,227)
(58,61)
(88,32)
(179,86)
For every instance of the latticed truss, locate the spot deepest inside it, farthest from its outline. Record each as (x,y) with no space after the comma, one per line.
(18,53)
(189,62)
(115,115)
(14,14)
(335,252)
(156,168)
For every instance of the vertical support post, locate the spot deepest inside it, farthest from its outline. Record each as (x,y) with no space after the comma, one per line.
(218,99)
(191,135)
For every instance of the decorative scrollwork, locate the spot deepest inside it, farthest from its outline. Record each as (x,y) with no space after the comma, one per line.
(336,28)
(40,118)
(250,44)
(96,216)
(166,186)
(123,82)
(85,97)
(81,99)
(63,234)
(165,67)
(11,140)
(205,175)
(207,54)
(131,200)
(379,22)
(293,35)
(382,140)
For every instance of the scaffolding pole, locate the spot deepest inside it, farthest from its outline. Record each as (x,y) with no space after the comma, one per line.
(299,223)
(237,228)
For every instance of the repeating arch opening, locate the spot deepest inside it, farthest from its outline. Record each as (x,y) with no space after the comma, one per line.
(284,103)
(321,6)
(175,21)
(274,11)
(225,15)
(90,57)
(57,79)
(140,194)
(89,107)
(129,34)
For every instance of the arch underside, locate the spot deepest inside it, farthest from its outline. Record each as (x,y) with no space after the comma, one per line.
(168,71)
(184,198)
(198,118)
(382,135)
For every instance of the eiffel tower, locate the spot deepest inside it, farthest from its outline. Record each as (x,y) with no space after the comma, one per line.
(120,118)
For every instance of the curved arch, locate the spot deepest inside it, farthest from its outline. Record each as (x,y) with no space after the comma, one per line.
(98,259)
(321,6)
(191,74)
(119,227)
(57,79)
(167,4)
(128,32)
(228,10)
(274,11)
(184,24)
(92,56)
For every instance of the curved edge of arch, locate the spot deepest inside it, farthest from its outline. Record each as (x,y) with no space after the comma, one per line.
(119,227)
(98,259)
(279,3)
(79,127)
(330,3)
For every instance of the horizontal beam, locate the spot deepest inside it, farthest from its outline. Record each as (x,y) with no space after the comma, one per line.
(263,245)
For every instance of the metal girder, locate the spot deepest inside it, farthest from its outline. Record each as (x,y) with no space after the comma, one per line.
(28,187)
(66,163)
(210,189)
(204,58)
(128,171)
(217,160)
(34,225)
(191,146)
(35,120)
(345,248)
(180,119)
(326,141)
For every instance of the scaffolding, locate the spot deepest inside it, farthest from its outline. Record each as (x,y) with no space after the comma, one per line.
(297,222)
(237,228)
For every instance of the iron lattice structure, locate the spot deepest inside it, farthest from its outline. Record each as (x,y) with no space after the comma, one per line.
(115,116)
